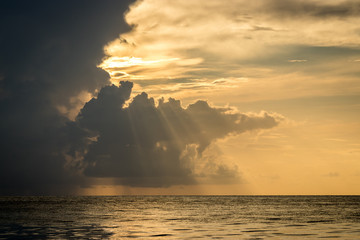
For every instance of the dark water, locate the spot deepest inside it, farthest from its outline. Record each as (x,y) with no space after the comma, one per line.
(180,217)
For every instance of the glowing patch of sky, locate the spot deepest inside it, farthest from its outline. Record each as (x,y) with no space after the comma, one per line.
(298,58)
(206,40)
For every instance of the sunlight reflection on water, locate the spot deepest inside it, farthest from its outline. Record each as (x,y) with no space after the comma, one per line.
(180,217)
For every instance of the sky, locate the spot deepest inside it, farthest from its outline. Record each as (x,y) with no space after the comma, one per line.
(180,97)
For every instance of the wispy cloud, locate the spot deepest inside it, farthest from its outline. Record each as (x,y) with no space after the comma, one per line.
(332,174)
(297,60)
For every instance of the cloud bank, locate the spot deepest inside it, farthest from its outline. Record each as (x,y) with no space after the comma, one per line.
(185,47)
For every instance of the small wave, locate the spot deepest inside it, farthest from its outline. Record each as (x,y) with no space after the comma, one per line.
(273,219)
(161,235)
(295,225)
(177,219)
(256,230)
(330,237)
(319,221)
(336,231)
(297,234)
(235,223)
(132,236)
(233,234)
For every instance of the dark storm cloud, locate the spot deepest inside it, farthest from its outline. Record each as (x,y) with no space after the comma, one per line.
(151,145)
(299,8)
(49,53)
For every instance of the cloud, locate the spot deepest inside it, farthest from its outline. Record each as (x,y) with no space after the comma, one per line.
(49,53)
(332,174)
(316,9)
(48,72)
(178,46)
(149,145)
(297,60)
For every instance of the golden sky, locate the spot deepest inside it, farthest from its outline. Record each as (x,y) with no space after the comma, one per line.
(298,59)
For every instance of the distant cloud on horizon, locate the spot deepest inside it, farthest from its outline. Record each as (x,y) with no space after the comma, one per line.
(297,60)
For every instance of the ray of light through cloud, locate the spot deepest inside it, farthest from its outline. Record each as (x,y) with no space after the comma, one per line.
(299,58)
(180,97)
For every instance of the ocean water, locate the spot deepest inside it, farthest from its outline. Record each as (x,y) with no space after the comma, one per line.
(180,217)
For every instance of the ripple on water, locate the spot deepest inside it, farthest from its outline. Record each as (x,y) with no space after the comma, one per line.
(296,225)
(320,221)
(329,237)
(236,217)
(273,219)
(161,235)
(235,223)
(256,230)
(296,234)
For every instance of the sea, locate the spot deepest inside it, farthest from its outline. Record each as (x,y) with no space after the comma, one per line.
(180,217)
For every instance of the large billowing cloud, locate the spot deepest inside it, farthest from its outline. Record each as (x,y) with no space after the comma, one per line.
(149,145)
(49,54)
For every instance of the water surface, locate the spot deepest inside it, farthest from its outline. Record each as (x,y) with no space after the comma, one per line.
(180,217)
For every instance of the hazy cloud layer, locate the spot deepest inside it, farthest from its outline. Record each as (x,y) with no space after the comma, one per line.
(192,47)
(149,145)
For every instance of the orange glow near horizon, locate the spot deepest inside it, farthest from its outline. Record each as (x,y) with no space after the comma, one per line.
(245,55)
